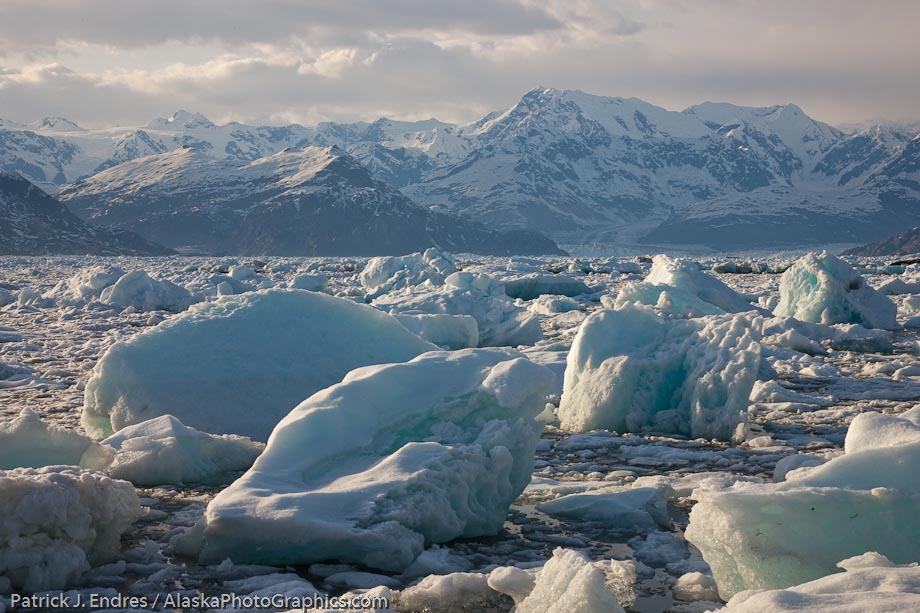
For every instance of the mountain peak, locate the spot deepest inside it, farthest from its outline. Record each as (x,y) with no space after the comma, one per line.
(181,120)
(56,124)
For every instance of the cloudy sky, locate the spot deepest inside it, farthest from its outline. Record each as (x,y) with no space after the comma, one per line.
(107,62)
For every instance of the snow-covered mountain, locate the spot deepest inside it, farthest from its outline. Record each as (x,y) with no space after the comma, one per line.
(34,223)
(299,201)
(581,168)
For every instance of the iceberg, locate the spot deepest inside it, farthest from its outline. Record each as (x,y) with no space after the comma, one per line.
(626,511)
(501,322)
(137,289)
(58,521)
(870,582)
(163,450)
(29,442)
(311,283)
(385,274)
(631,370)
(687,277)
(777,535)
(551,305)
(824,289)
(86,285)
(239,364)
(539,284)
(570,582)
(394,458)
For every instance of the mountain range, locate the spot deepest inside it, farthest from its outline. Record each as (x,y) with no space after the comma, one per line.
(581,169)
(34,223)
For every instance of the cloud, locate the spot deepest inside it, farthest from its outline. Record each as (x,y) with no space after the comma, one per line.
(106,61)
(46,23)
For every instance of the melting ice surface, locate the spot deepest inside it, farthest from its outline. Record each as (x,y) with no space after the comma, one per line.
(749,397)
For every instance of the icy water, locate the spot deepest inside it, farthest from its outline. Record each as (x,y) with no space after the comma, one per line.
(53,349)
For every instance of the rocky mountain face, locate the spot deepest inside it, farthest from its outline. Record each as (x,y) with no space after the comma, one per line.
(905,243)
(34,223)
(582,169)
(309,201)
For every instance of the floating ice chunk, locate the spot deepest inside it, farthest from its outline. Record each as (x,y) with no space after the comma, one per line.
(550,305)
(787,465)
(86,285)
(6,297)
(695,586)
(137,289)
(242,273)
(795,340)
(163,450)
(632,370)
(394,458)
(665,299)
(28,442)
(539,284)
(772,391)
(311,283)
(448,331)
(515,582)
(239,364)
(58,521)
(900,286)
(776,535)
(500,321)
(854,337)
(384,274)
(436,560)
(870,583)
(453,593)
(825,289)
(569,582)
(629,511)
(686,276)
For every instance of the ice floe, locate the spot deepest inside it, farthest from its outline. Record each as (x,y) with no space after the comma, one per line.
(239,364)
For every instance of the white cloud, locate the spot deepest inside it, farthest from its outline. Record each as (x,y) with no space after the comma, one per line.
(104,61)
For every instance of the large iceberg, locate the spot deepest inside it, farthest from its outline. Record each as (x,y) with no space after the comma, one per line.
(139,290)
(825,289)
(241,363)
(501,322)
(163,450)
(394,458)
(57,521)
(776,535)
(631,370)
